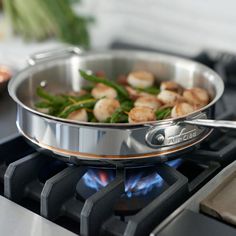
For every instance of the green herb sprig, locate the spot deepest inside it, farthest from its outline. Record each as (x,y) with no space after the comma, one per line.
(43,19)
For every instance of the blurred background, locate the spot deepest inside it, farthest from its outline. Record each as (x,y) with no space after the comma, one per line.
(179,26)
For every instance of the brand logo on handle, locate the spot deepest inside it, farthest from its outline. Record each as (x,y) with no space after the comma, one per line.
(183,136)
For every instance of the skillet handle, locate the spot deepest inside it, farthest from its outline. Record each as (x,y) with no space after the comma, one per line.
(42,56)
(175,133)
(212,123)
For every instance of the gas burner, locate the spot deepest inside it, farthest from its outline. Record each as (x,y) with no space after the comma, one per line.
(142,185)
(139,182)
(97,179)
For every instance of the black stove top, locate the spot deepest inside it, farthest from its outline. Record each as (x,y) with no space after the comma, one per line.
(114,202)
(132,201)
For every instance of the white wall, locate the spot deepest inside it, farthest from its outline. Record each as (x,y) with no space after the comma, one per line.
(181,25)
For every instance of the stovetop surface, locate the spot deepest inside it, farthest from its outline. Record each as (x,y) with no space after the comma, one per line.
(93,202)
(16,220)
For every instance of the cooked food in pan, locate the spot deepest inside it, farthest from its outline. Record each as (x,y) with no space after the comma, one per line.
(133,98)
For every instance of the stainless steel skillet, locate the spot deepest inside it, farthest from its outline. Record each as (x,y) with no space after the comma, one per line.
(119,144)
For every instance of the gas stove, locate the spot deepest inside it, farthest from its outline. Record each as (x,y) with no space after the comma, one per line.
(85,200)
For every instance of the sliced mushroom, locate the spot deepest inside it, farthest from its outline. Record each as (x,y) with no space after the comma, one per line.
(141,114)
(104,108)
(141,79)
(101,90)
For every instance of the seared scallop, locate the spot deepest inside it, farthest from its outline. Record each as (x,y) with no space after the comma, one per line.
(197,96)
(169,97)
(171,86)
(140,79)
(181,109)
(148,101)
(79,115)
(141,114)
(134,94)
(104,108)
(101,90)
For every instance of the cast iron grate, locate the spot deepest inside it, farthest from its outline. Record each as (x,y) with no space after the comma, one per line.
(48,187)
(56,194)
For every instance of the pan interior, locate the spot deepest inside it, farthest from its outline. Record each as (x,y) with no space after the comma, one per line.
(61,74)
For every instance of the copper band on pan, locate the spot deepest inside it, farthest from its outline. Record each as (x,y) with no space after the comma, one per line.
(87,156)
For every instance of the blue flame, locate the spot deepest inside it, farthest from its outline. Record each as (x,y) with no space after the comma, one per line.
(174,163)
(139,185)
(135,185)
(97,179)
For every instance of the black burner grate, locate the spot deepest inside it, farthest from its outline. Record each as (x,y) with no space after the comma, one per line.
(48,187)
(56,195)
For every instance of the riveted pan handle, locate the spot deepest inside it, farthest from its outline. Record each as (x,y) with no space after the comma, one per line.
(212,123)
(175,133)
(42,56)
(183,131)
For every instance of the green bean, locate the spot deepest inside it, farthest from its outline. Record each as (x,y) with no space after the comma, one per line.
(92,78)
(127,105)
(163,113)
(151,90)
(88,88)
(57,104)
(119,116)
(91,117)
(47,96)
(74,107)
(78,98)
(108,120)
(43,104)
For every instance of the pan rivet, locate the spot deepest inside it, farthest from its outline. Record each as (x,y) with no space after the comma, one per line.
(160,138)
